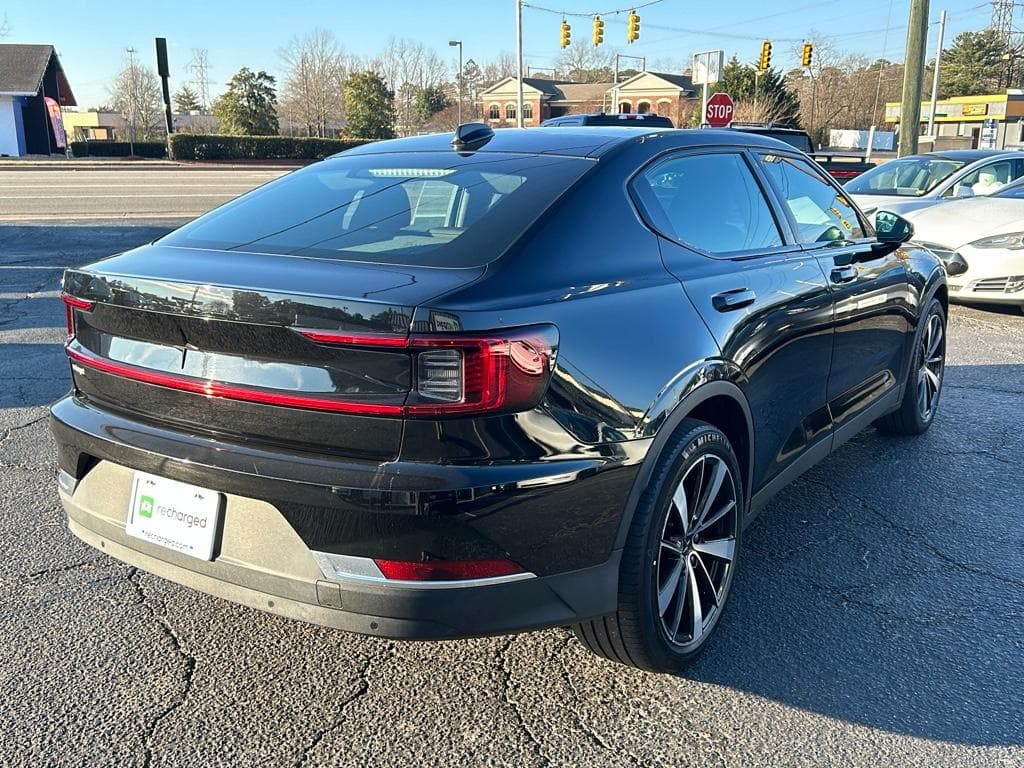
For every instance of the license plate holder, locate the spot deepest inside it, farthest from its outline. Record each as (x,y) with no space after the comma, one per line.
(174,515)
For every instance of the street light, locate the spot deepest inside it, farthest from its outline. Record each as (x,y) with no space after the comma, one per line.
(452,43)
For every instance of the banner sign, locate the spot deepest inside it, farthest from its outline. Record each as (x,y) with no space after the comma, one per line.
(57,121)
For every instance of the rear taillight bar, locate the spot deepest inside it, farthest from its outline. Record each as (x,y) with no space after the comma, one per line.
(454,374)
(71,303)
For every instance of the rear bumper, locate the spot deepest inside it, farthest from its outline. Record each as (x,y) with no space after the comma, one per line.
(281,509)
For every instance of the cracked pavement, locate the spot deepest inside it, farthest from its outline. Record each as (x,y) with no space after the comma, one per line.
(875,620)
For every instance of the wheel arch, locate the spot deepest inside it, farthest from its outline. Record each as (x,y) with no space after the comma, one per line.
(719,403)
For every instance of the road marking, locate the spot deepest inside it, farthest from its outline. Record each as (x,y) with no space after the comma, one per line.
(120,197)
(65,218)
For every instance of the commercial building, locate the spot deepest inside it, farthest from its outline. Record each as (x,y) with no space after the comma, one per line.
(670,95)
(32,90)
(978,122)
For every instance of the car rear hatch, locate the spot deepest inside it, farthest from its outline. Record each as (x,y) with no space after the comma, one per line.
(268,348)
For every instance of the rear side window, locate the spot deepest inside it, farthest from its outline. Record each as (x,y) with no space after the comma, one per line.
(821,213)
(425,209)
(711,202)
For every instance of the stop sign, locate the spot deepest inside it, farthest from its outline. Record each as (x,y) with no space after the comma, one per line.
(720,110)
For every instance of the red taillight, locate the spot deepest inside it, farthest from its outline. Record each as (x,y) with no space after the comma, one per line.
(463,374)
(71,303)
(448,570)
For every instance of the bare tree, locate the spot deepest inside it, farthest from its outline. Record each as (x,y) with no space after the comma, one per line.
(135,94)
(504,65)
(315,67)
(586,64)
(408,67)
(5,27)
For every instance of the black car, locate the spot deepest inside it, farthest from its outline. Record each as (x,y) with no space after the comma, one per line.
(625,120)
(432,388)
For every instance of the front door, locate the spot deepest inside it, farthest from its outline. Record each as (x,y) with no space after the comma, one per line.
(763,298)
(868,283)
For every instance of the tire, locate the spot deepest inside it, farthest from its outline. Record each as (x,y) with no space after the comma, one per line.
(662,551)
(927,366)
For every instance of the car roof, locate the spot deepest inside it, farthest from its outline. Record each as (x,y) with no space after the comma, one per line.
(576,141)
(970,155)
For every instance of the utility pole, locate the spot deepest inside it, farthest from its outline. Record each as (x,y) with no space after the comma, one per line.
(913,76)
(519,61)
(452,44)
(132,96)
(935,77)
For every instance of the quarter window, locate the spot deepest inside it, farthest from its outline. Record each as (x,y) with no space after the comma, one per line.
(821,213)
(711,202)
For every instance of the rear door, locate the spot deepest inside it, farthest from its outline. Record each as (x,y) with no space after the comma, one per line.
(764,299)
(868,283)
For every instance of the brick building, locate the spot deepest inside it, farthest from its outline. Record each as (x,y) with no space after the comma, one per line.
(664,94)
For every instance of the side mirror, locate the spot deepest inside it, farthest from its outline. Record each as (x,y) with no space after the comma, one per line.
(892,228)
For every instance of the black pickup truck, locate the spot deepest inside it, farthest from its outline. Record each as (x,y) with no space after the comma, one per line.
(841,165)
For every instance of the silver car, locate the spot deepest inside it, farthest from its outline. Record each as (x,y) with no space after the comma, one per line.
(919,181)
(981,242)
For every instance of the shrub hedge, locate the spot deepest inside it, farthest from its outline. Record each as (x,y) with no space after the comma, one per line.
(193,146)
(152,149)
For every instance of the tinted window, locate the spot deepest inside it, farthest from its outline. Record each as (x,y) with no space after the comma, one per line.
(429,209)
(713,203)
(820,212)
(987,179)
(906,177)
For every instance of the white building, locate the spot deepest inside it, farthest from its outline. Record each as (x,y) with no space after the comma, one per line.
(28,75)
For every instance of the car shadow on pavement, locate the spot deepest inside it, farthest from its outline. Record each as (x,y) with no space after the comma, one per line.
(886,586)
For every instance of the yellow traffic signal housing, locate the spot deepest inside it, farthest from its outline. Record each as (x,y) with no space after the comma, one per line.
(598,30)
(633,28)
(566,34)
(765,62)
(805,60)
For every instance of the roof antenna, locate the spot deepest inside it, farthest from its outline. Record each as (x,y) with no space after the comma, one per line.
(471,136)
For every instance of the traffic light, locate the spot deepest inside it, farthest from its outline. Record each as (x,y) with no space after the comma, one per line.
(765,62)
(805,60)
(633,28)
(598,30)
(566,34)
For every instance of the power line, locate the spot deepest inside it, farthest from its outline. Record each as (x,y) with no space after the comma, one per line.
(585,15)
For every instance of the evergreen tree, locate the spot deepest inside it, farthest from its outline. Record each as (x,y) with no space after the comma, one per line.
(249,106)
(185,100)
(974,65)
(430,101)
(369,107)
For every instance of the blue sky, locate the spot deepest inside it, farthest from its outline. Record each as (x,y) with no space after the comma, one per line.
(91,37)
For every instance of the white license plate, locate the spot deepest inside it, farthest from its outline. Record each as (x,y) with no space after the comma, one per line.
(174,515)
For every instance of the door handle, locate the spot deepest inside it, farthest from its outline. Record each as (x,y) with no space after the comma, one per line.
(726,301)
(844,274)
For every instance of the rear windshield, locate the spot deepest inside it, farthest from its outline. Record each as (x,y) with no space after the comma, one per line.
(427,209)
(799,140)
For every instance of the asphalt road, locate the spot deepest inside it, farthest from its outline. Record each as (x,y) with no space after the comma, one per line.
(876,619)
(96,189)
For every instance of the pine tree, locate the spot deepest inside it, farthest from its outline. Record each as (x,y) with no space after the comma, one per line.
(973,65)
(249,106)
(186,101)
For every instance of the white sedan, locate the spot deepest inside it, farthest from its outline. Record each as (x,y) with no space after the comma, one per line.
(981,241)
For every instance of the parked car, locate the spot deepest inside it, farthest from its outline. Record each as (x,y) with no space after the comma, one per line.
(918,181)
(981,241)
(434,388)
(841,165)
(630,120)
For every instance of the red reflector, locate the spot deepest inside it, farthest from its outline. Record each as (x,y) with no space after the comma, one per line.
(447,570)
(72,303)
(229,391)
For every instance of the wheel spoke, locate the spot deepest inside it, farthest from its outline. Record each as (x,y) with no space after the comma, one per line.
(931,377)
(707,577)
(712,491)
(934,336)
(684,587)
(697,612)
(723,549)
(671,586)
(710,521)
(681,506)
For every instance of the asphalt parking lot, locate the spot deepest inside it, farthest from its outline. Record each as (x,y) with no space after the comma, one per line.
(876,619)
